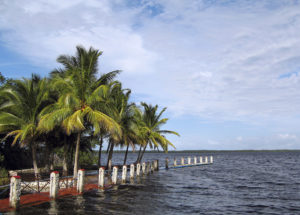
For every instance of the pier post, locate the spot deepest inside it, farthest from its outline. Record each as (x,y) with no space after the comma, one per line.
(131,171)
(138,169)
(167,163)
(15,191)
(195,160)
(157,165)
(189,160)
(182,161)
(144,168)
(175,162)
(200,160)
(206,159)
(124,174)
(211,159)
(152,167)
(114,176)
(80,182)
(101,177)
(54,184)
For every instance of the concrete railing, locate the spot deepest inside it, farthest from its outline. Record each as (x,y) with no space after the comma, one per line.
(135,171)
(202,160)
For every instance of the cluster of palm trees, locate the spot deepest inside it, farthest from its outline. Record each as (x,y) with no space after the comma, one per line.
(74,105)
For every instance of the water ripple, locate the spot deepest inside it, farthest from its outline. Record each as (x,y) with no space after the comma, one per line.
(237,183)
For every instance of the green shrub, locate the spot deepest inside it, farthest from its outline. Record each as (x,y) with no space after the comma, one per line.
(4,178)
(86,159)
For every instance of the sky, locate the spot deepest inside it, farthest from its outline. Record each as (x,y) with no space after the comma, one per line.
(227,71)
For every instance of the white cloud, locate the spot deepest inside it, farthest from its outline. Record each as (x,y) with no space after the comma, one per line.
(239,138)
(42,30)
(287,136)
(223,60)
(227,62)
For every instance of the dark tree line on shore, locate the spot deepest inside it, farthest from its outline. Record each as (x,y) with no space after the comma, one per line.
(72,110)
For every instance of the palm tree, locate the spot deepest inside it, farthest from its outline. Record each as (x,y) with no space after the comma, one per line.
(105,79)
(107,82)
(119,108)
(19,115)
(149,122)
(80,93)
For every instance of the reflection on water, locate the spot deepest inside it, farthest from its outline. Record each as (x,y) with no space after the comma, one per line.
(53,208)
(80,204)
(237,183)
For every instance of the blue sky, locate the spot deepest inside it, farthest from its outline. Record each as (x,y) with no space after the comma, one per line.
(226,70)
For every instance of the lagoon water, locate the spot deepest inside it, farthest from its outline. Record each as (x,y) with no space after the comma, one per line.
(237,183)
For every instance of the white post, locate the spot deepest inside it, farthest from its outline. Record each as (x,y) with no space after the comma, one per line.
(124,174)
(206,159)
(152,167)
(189,160)
(211,159)
(167,163)
(54,184)
(182,161)
(195,160)
(101,177)
(138,169)
(200,160)
(131,171)
(80,182)
(15,191)
(156,165)
(175,162)
(114,176)
(144,168)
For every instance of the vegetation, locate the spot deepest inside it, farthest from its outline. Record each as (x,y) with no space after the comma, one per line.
(67,114)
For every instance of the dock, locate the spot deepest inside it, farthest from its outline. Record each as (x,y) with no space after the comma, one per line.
(23,194)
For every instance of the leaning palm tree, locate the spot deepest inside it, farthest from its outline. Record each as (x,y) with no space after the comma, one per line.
(80,93)
(122,111)
(107,83)
(149,122)
(19,115)
(118,108)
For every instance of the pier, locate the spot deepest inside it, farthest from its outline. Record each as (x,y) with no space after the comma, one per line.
(38,192)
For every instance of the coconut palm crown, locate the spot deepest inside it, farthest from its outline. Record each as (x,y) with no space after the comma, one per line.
(80,93)
(19,116)
(150,122)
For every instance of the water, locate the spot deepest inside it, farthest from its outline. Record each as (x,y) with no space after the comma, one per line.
(237,183)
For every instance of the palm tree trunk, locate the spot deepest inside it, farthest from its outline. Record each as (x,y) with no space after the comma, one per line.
(100,149)
(71,154)
(138,158)
(76,155)
(108,147)
(125,158)
(52,160)
(35,167)
(109,158)
(47,155)
(65,159)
